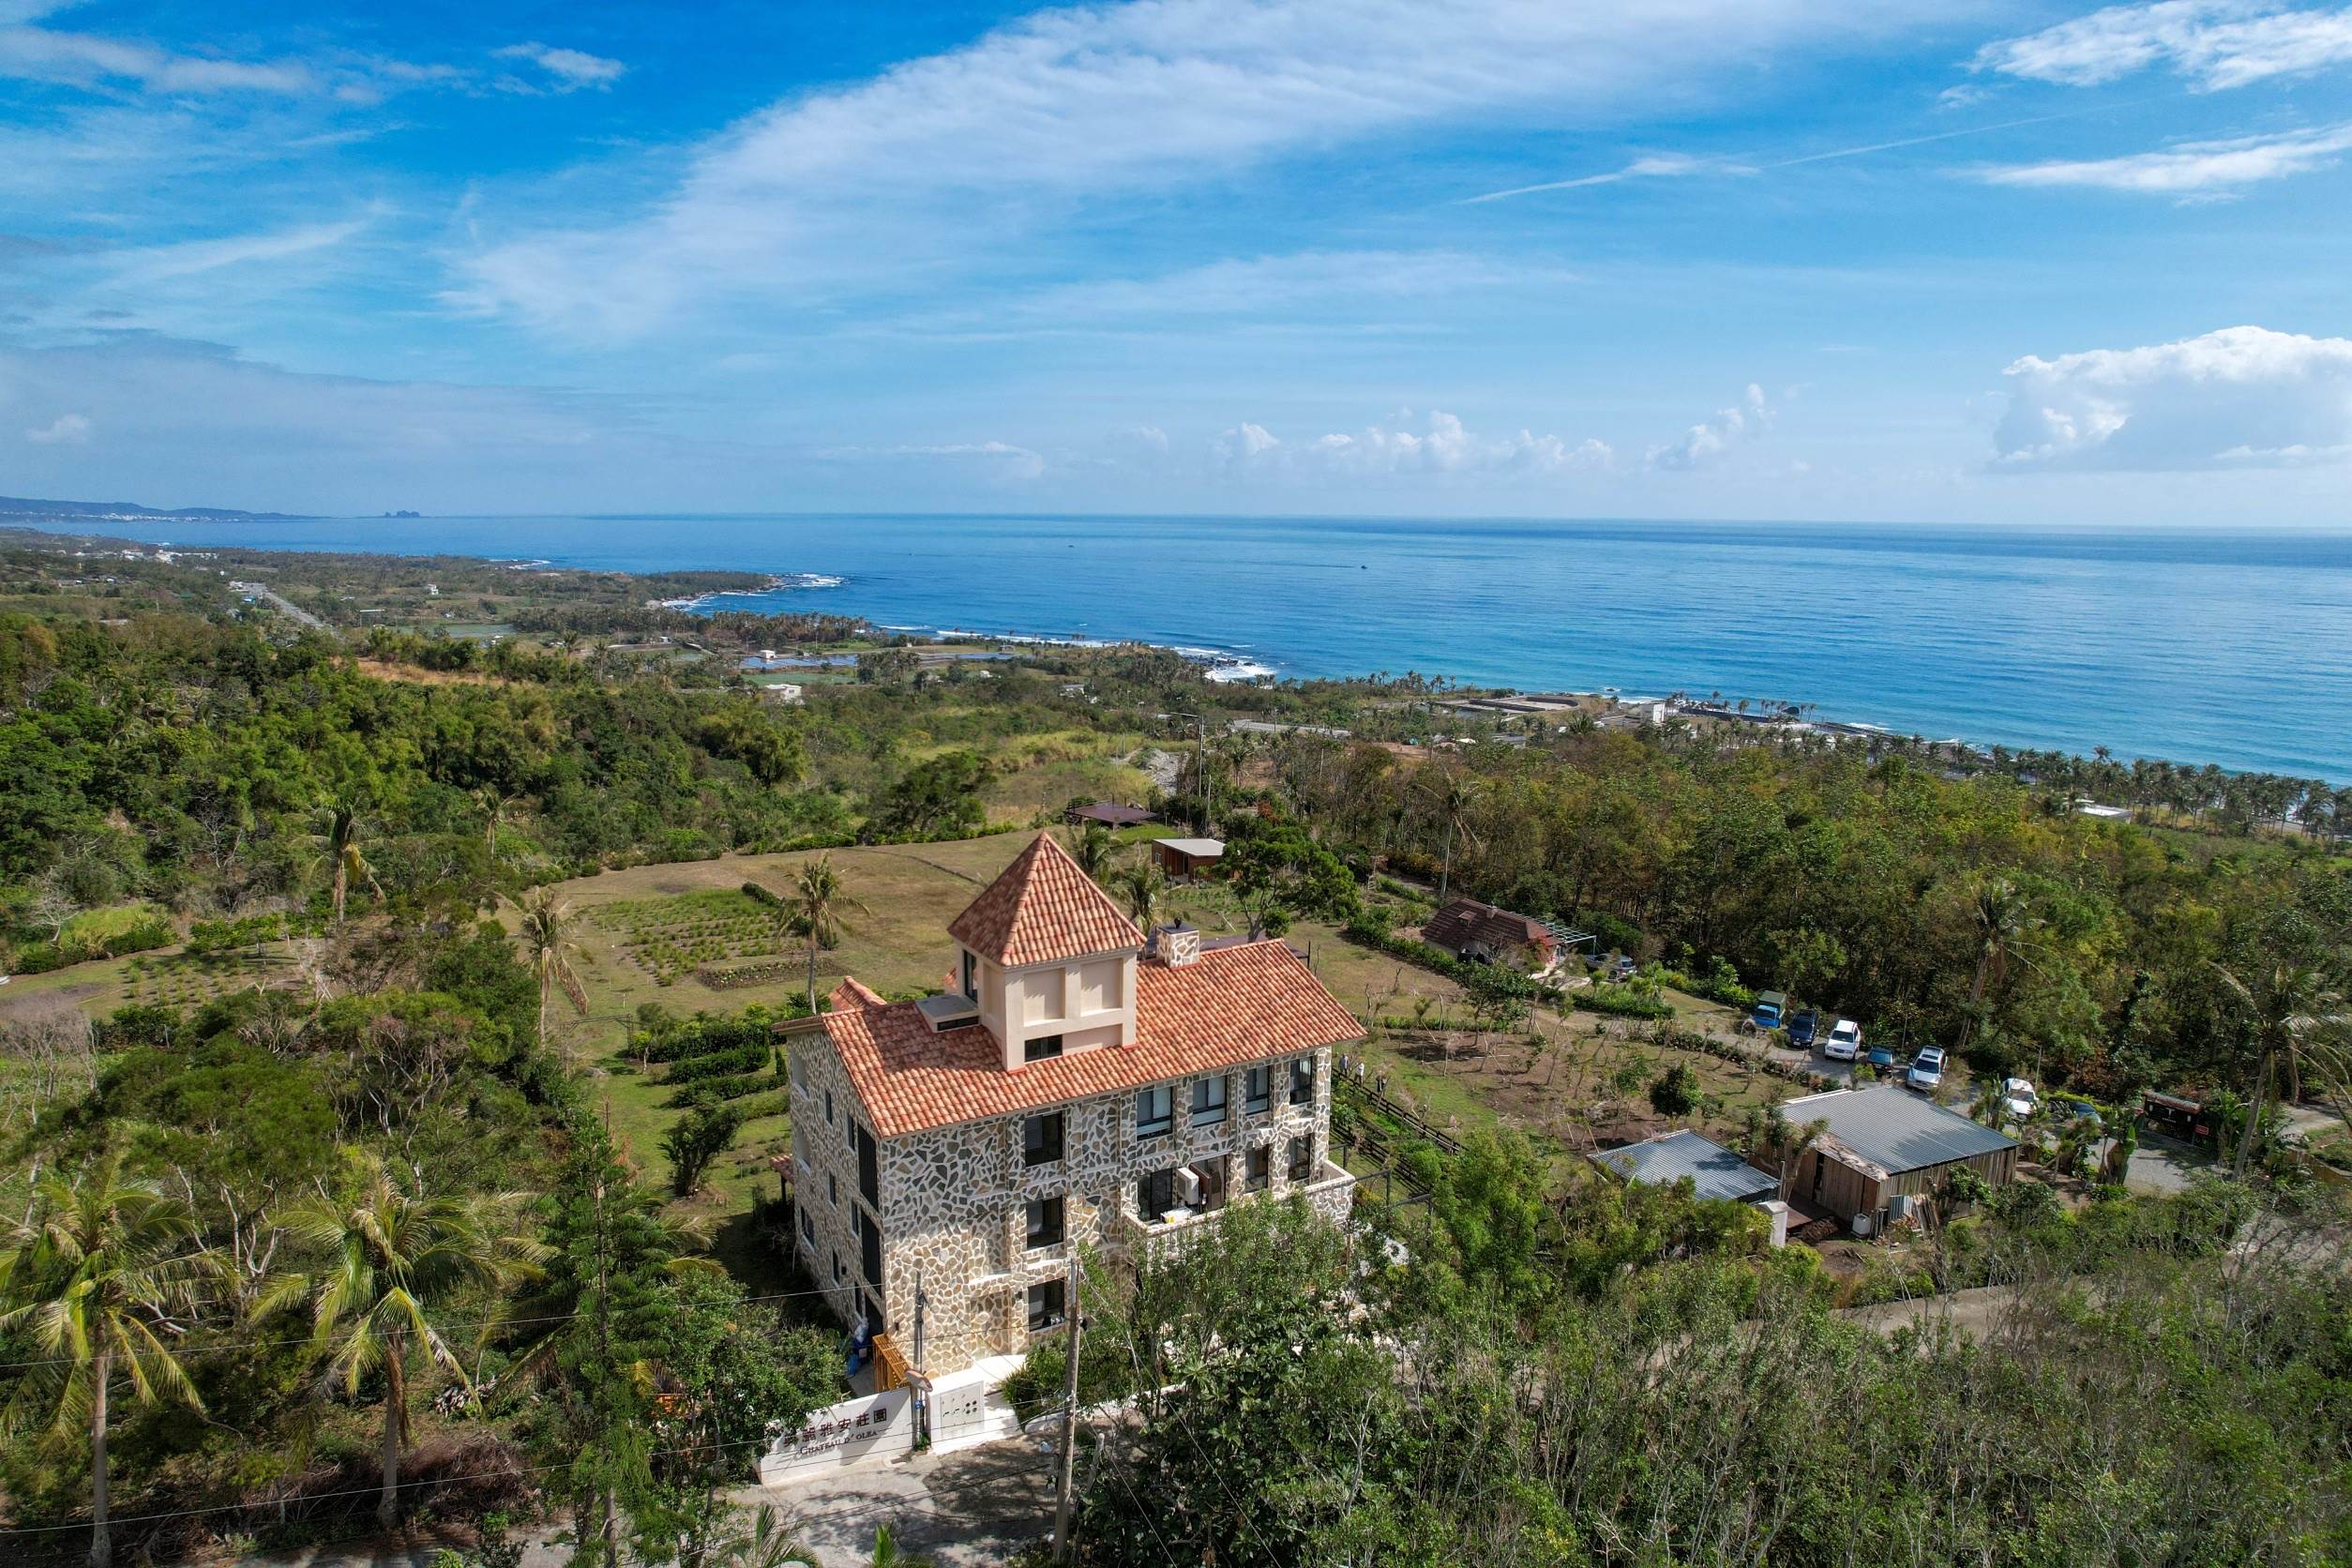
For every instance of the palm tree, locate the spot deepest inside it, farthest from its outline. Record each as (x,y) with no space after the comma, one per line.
(768,1545)
(94,1276)
(2002,922)
(493,802)
(888,1555)
(340,829)
(1144,889)
(2297,1017)
(548,925)
(822,896)
(1453,794)
(1093,849)
(389,1260)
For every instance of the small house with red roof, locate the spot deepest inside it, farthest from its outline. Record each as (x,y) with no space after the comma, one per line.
(1076,1084)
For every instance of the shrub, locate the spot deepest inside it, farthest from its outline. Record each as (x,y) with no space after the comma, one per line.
(1675,1092)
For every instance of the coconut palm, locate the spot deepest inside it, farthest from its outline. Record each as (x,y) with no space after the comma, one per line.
(2003,924)
(548,927)
(1143,888)
(887,1554)
(822,896)
(768,1545)
(1093,849)
(495,802)
(1453,794)
(2296,1016)
(341,828)
(95,1278)
(389,1260)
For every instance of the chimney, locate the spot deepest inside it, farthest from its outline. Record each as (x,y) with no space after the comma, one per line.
(1176,946)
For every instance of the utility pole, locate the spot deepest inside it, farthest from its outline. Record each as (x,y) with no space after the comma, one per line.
(1063,1509)
(922,1381)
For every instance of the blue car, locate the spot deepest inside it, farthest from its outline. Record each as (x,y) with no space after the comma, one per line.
(1804,1026)
(1880,1057)
(1769,1007)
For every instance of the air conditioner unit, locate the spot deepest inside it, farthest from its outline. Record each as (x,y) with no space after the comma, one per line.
(1188,1186)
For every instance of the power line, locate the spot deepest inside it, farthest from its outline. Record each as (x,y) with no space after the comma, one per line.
(216,1346)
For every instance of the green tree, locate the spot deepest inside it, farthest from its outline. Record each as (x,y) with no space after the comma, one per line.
(549,931)
(336,839)
(388,1261)
(1093,849)
(2296,1016)
(821,894)
(1143,889)
(696,1140)
(98,1277)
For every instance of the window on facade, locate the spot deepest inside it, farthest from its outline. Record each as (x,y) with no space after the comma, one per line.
(1155,1194)
(799,1074)
(1208,1101)
(828,1107)
(807,1227)
(833,1188)
(869,1164)
(972,978)
(1041,1138)
(1302,1157)
(838,1270)
(1258,1091)
(1303,1081)
(872,1250)
(1044,1305)
(1045,1222)
(1258,1167)
(1041,1049)
(1154,1111)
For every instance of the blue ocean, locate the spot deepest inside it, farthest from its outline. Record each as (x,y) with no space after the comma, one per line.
(2227,647)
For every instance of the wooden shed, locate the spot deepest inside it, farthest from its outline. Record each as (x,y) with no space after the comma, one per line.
(1885,1142)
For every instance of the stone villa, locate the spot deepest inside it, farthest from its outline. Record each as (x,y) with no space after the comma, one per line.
(1073,1084)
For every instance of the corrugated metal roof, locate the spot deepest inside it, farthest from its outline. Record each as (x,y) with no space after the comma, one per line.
(1715,1170)
(1895,1129)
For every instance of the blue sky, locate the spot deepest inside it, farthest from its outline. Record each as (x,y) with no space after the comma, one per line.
(1991,263)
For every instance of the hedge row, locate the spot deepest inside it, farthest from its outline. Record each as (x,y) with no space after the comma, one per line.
(733,1086)
(702,1038)
(764,973)
(40,957)
(721,1064)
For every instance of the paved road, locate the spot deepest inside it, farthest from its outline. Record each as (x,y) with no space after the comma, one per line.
(971,1509)
(280,603)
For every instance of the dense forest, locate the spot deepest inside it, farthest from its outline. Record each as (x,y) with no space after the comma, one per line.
(287,1262)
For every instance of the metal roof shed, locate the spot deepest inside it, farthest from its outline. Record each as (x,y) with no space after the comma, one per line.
(1715,1170)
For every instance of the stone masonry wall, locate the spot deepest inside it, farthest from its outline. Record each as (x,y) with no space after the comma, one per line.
(954,1200)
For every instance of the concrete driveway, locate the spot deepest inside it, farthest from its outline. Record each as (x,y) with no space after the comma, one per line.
(971,1509)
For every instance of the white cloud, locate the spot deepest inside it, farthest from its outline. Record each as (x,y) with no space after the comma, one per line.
(66,430)
(1443,447)
(88,60)
(2243,396)
(157,264)
(2191,167)
(1000,457)
(1710,439)
(927,162)
(2215,44)
(571,69)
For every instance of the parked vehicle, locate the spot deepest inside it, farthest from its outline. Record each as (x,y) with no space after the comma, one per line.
(1766,1015)
(1845,1041)
(2018,1099)
(1624,969)
(1880,1057)
(1803,1027)
(1927,1069)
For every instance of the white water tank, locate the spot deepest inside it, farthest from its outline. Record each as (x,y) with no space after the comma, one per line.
(1861,1225)
(1777,1212)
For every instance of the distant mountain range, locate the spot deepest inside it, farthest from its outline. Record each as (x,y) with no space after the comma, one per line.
(15,508)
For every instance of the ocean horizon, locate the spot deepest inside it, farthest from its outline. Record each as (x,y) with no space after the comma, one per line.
(2195,645)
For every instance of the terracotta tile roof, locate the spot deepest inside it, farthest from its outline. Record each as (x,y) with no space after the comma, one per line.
(1466,920)
(852,994)
(1043,908)
(1235,1006)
